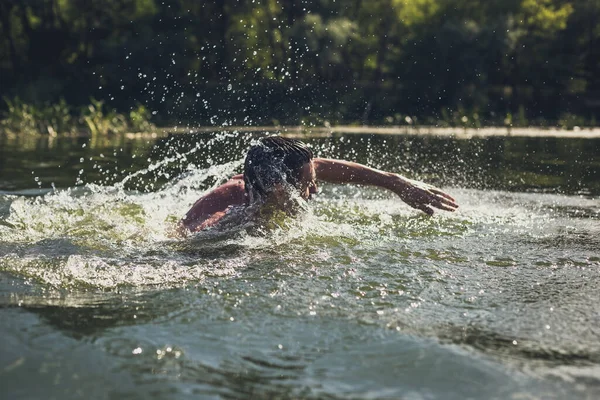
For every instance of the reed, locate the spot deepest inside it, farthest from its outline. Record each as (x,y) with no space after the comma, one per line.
(60,119)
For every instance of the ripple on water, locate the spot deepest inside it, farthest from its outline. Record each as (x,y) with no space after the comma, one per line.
(500,271)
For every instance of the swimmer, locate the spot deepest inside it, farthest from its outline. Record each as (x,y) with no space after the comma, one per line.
(278,171)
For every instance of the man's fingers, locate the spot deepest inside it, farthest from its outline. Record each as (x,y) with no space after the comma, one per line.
(424,197)
(448,202)
(427,210)
(442,203)
(444,207)
(441,193)
(442,198)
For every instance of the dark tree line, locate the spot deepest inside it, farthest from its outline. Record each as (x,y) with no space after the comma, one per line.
(259,61)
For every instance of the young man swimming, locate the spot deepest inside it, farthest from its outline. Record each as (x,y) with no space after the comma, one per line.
(279,170)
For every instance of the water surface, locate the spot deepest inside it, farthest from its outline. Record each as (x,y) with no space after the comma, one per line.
(361,297)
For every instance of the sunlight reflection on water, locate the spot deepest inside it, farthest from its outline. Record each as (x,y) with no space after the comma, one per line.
(365,296)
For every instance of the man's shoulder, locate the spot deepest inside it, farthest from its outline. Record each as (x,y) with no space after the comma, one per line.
(214,204)
(234,187)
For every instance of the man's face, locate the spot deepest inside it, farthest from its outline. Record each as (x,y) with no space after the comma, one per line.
(280,196)
(308,181)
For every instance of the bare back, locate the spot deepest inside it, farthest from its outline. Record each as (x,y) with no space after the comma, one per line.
(210,208)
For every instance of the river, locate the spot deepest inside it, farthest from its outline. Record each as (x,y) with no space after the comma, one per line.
(360,297)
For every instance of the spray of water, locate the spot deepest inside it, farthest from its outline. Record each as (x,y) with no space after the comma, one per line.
(107,236)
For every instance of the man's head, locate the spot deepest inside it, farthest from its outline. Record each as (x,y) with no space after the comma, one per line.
(277,163)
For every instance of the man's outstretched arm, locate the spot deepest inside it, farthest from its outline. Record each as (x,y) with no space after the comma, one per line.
(416,194)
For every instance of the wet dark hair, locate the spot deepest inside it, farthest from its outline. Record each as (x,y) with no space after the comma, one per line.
(274,160)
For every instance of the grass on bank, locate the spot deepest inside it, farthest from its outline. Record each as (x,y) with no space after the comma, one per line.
(60,119)
(97,120)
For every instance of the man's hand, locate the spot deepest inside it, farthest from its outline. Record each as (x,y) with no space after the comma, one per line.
(421,196)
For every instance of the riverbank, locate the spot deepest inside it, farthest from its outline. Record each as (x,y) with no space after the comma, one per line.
(315,132)
(460,133)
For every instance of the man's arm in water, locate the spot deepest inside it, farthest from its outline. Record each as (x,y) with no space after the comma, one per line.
(211,207)
(416,194)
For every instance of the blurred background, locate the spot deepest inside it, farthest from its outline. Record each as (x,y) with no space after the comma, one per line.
(265,62)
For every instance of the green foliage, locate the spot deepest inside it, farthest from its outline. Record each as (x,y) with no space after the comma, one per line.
(571,121)
(522,117)
(60,119)
(49,119)
(139,120)
(416,12)
(250,62)
(546,16)
(100,121)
